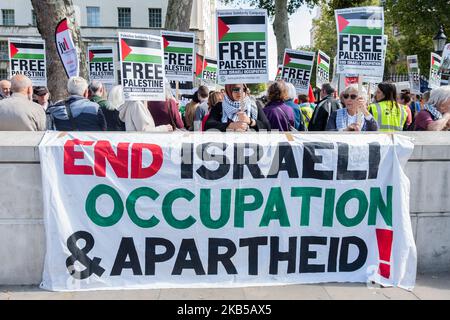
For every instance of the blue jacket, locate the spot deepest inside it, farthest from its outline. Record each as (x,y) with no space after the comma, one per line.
(87,115)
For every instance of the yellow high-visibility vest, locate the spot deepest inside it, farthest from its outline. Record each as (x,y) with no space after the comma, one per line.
(388,116)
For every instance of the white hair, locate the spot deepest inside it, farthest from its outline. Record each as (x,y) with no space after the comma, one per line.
(77,86)
(439,96)
(95,86)
(292,94)
(20,83)
(115,97)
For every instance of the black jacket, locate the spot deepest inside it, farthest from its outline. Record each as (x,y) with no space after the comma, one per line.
(214,121)
(322,112)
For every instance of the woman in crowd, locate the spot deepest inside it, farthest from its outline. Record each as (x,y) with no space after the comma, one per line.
(196,109)
(389,115)
(134,114)
(214,98)
(280,115)
(237,112)
(354,116)
(299,124)
(166,112)
(435,115)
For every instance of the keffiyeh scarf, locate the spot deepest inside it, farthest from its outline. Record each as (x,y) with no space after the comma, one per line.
(231,108)
(435,114)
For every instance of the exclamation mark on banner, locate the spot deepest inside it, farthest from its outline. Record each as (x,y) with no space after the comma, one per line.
(384,239)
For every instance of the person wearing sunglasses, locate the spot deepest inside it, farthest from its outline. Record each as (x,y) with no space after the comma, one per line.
(237,112)
(354,116)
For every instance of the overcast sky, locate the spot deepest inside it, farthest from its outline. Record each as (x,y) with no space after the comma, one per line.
(300,24)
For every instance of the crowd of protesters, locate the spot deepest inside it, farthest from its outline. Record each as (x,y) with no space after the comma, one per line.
(88,107)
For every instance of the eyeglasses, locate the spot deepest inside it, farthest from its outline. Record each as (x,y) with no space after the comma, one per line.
(352,96)
(237,89)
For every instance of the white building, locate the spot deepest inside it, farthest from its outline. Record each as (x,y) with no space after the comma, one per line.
(100,20)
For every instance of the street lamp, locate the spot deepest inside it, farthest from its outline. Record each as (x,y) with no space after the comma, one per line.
(439,41)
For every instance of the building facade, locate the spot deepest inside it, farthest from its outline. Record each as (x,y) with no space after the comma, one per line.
(101,20)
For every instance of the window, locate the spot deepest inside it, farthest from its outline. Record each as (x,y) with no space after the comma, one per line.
(93,16)
(4,74)
(124,17)
(4,50)
(8,17)
(154,18)
(33,18)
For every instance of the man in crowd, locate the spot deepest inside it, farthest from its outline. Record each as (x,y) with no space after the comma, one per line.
(19,112)
(326,106)
(435,115)
(77,113)
(41,96)
(98,95)
(5,87)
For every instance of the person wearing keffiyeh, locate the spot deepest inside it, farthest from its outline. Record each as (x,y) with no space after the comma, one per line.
(435,115)
(237,112)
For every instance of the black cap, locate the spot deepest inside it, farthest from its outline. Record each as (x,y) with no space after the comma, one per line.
(40,91)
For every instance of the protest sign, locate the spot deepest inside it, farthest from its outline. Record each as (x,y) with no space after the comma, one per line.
(435,76)
(142,65)
(184,87)
(297,69)
(66,49)
(101,65)
(375,79)
(322,69)
(445,63)
(360,40)
(209,72)
(278,75)
(242,46)
(166,210)
(413,73)
(179,62)
(27,57)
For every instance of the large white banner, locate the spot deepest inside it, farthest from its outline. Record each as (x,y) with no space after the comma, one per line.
(225,210)
(242,46)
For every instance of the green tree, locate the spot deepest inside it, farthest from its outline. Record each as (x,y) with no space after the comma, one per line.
(257,88)
(416,23)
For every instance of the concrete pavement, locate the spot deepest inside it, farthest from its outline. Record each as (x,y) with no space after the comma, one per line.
(428,286)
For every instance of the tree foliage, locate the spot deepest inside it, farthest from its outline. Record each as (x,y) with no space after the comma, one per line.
(269,5)
(417,23)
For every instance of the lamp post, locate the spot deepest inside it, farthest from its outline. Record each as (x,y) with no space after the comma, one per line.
(439,41)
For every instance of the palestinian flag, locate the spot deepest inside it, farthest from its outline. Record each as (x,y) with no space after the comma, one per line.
(323,61)
(278,76)
(366,21)
(178,43)
(435,61)
(100,55)
(141,51)
(26,50)
(235,28)
(298,60)
(210,65)
(199,65)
